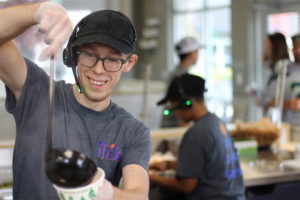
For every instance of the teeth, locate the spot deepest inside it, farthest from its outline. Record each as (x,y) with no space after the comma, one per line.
(97,82)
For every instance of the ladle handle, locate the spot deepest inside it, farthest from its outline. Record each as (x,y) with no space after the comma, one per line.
(50,105)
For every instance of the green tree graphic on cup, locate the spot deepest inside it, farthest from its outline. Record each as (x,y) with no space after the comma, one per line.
(71,198)
(92,194)
(61,196)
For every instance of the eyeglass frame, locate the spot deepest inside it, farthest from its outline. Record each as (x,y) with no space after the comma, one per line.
(123,61)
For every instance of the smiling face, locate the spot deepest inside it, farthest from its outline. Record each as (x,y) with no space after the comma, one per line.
(96,82)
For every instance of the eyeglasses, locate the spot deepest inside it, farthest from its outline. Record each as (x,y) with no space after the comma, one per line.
(110,64)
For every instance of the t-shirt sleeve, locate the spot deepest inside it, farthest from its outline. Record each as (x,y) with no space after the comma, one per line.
(139,148)
(191,157)
(35,83)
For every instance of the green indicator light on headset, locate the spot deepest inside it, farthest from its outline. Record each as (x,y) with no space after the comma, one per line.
(166,112)
(188,102)
(79,88)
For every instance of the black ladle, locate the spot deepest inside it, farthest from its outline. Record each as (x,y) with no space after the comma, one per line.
(65,167)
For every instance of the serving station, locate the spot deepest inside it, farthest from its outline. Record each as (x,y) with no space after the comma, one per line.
(270,172)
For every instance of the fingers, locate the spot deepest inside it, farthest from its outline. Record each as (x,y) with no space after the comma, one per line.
(56,26)
(61,29)
(56,39)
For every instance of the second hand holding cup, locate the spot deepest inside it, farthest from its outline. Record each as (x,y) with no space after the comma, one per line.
(65,167)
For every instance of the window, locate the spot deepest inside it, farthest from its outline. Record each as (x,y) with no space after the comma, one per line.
(287,23)
(179,5)
(210,23)
(217,3)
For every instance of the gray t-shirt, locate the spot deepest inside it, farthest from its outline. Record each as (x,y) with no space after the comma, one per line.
(112,138)
(208,155)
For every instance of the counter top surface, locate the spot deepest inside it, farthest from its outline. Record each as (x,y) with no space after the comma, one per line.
(7,143)
(267,168)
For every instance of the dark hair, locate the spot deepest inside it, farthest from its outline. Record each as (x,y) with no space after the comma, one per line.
(279,48)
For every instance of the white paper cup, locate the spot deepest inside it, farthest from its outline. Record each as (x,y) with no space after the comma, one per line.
(87,192)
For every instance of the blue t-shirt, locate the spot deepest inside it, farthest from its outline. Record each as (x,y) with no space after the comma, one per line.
(208,154)
(112,138)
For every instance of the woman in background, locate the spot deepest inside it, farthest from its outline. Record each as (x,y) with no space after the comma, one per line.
(275,51)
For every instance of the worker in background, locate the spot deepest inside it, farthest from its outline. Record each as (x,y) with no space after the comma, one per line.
(275,51)
(291,104)
(208,164)
(187,50)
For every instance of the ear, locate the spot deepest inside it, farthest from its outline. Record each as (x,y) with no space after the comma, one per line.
(130,63)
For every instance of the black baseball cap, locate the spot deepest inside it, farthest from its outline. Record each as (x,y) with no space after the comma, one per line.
(184,86)
(109,27)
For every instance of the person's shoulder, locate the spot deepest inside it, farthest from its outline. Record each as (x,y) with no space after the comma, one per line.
(206,123)
(33,67)
(209,117)
(125,116)
(120,110)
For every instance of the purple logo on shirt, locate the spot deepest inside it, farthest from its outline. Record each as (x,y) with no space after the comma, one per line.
(109,151)
(233,170)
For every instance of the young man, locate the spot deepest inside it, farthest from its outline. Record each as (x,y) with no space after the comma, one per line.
(208,165)
(99,50)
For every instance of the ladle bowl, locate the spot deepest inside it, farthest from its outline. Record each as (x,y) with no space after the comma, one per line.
(69,168)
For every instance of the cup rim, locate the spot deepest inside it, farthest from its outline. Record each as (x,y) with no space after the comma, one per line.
(100,180)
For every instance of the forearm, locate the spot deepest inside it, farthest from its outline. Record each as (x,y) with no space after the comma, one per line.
(122,194)
(171,183)
(15,20)
(291,104)
(183,185)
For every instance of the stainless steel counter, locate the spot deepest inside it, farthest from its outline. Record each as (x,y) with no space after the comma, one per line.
(267,169)
(6,194)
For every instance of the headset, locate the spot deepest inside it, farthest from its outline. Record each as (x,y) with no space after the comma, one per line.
(69,55)
(185,102)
